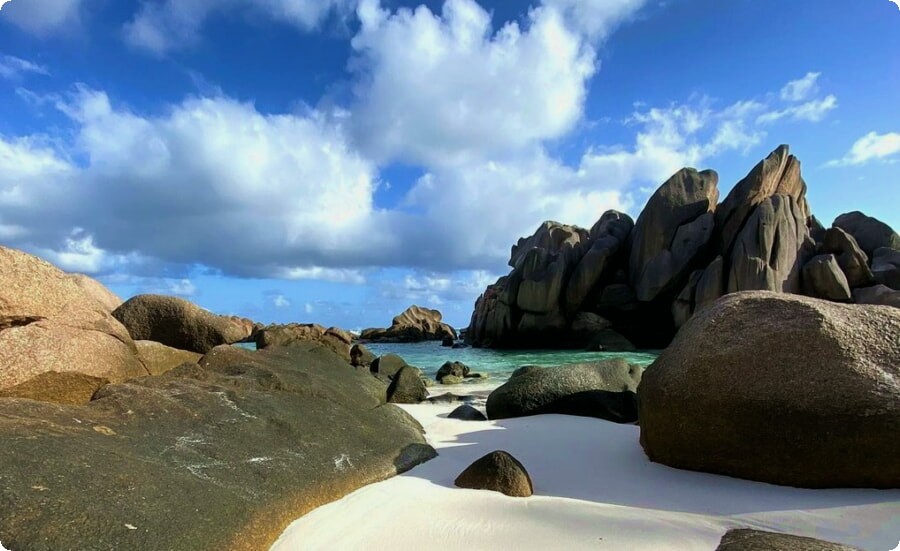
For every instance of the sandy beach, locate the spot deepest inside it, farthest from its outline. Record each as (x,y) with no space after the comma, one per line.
(594,489)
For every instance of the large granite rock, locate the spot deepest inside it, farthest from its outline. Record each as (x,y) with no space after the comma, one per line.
(605,390)
(886,267)
(823,278)
(851,258)
(360,356)
(217,457)
(158,358)
(878,295)
(48,323)
(608,236)
(67,388)
(407,387)
(673,229)
(336,339)
(498,472)
(745,539)
(176,322)
(415,324)
(869,232)
(97,291)
(781,389)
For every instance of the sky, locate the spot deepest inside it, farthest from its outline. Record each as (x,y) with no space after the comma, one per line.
(336,161)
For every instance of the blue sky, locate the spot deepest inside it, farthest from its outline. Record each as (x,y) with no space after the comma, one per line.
(338,160)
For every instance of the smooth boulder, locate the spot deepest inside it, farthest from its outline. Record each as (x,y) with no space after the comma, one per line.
(158,358)
(782,389)
(218,457)
(871,233)
(360,356)
(97,291)
(407,387)
(67,388)
(466,412)
(886,267)
(497,471)
(745,539)
(452,369)
(176,322)
(823,278)
(605,390)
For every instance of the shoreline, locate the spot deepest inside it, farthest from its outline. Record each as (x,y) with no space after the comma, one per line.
(594,488)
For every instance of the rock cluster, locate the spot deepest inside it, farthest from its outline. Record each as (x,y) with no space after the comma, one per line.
(336,339)
(623,282)
(782,389)
(416,324)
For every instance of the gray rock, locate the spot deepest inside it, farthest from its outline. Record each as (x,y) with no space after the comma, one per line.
(249,445)
(781,389)
(388,365)
(455,369)
(877,295)
(605,390)
(360,356)
(869,232)
(755,540)
(886,267)
(466,412)
(674,227)
(853,261)
(407,387)
(608,237)
(823,278)
(498,472)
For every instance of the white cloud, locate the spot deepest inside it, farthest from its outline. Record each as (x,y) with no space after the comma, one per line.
(162,26)
(811,111)
(354,277)
(181,288)
(3,2)
(801,89)
(445,88)
(12,67)
(596,18)
(309,308)
(871,147)
(280,301)
(42,17)
(896,2)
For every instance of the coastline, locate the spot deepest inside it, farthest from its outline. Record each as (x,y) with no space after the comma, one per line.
(594,488)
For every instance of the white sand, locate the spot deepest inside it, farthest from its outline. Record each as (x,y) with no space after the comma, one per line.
(594,489)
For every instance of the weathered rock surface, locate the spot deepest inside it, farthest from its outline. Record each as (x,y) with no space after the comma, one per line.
(407,387)
(605,390)
(674,227)
(416,324)
(48,323)
(756,540)
(221,457)
(158,358)
(454,369)
(869,232)
(97,291)
(886,267)
(608,236)
(67,388)
(877,294)
(466,412)
(498,472)
(388,365)
(336,339)
(176,322)
(851,258)
(823,278)
(791,390)
(360,356)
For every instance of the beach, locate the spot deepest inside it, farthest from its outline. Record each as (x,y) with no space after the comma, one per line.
(594,489)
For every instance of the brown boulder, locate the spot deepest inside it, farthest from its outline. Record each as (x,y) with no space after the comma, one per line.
(756,540)
(415,324)
(498,472)
(788,390)
(67,388)
(97,291)
(673,228)
(158,358)
(176,322)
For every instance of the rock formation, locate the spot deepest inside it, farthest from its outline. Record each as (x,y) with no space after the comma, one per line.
(413,325)
(623,284)
(744,539)
(49,323)
(96,290)
(781,389)
(334,338)
(498,472)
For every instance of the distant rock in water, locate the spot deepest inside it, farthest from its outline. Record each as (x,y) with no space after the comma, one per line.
(291,334)
(623,284)
(416,324)
(781,389)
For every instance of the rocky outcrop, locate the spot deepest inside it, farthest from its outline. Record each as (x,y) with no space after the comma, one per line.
(886,267)
(498,472)
(67,388)
(97,291)
(253,440)
(877,294)
(823,278)
(755,540)
(334,338)
(605,390)
(622,285)
(788,390)
(158,358)
(48,323)
(176,322)
(416,324)
(869,232)
(673,229)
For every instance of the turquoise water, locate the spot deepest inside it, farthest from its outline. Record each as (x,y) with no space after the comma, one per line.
(498,364)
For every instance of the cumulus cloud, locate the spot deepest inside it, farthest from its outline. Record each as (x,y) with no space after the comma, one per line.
(811,111)
(596,18)
(42,16)
(444,88)
(801,89)
(12,67)
(162,26)
(871,147)
(280,301)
